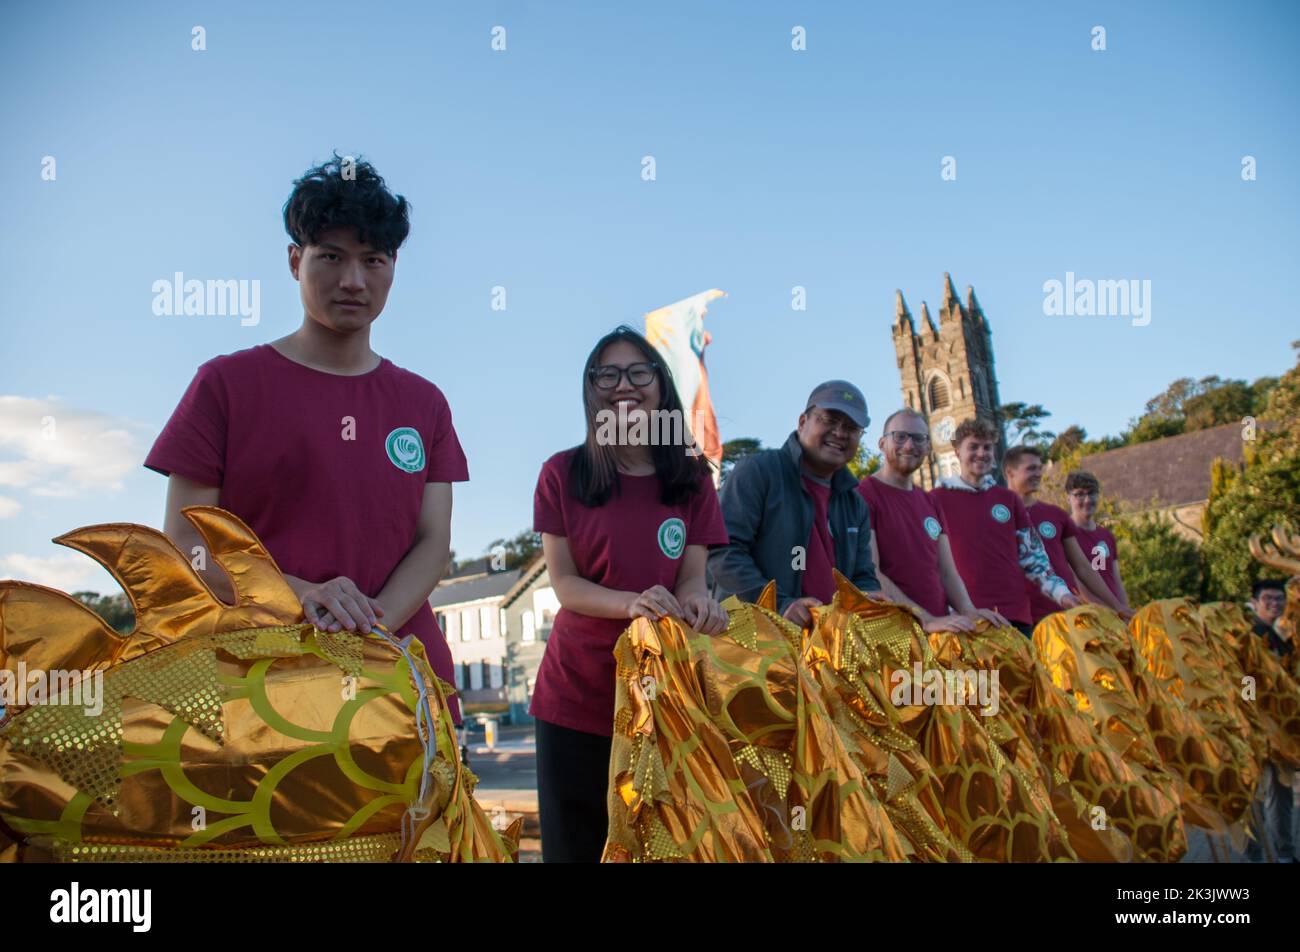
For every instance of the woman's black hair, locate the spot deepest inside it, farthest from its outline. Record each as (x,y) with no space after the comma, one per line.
(349,193)
(593,476)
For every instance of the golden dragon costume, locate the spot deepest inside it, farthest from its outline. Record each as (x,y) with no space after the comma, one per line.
(774,744)
(224,733)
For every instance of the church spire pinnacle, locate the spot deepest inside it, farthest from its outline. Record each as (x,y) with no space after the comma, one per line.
(951,308)
(925,316)
(901,314)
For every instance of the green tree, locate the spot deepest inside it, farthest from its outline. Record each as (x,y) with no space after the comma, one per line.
(518,552)
(865,462)
(1155,560)
(116,609)
(1266,492)
(1150,427)
(1227,402)
(1188,405)
(1024,420)
(1169,405)
(1222,475)
(733,451)
(1072,438)
(1090,447)
(1259,394)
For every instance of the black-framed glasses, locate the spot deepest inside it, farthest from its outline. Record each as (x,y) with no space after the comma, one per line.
(842,423)
(608,376)
(900,437)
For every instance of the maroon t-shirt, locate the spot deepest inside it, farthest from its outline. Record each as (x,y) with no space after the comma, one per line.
(328,470)
(982,533)
(818,574)
(1053,526)
(1101,551)
(631,543)
(907,528)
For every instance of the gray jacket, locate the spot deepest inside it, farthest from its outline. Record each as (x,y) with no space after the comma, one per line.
(768,512)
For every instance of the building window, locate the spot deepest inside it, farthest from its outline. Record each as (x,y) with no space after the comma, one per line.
(485,618)
(546,605)
(462,670)
(530,626)
(496,675)
(469,624)
(505,628)
(451,625)
(458,673)
(476,676)
(938,393)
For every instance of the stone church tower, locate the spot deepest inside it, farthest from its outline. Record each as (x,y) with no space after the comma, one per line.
(947,373)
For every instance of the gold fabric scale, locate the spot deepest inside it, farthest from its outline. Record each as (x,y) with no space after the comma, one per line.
(771,744)
(226,733)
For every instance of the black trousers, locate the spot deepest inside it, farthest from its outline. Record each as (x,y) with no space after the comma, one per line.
(572,786)
(1025,628)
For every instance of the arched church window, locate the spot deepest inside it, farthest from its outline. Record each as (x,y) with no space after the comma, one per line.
(939,397)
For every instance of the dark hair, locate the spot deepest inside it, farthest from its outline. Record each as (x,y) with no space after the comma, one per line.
(975,426)
(1267,584)
(1082,479)
(324,198)
(1017,453)
(593,476)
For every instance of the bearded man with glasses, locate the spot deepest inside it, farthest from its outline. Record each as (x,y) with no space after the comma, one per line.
(908,541)
(793,514)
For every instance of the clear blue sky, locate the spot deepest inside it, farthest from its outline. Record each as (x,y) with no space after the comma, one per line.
(775,169)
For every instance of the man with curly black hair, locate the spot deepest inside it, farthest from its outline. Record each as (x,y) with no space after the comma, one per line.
(340,461)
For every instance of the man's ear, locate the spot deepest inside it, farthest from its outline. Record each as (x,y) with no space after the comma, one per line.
(295,259)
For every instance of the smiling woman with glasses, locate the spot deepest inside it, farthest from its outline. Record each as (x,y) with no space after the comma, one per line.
(608,376)
(625,524)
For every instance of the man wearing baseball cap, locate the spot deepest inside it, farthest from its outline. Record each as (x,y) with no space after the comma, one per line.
(793,514)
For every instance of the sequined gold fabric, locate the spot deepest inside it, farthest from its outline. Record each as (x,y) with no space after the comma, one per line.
(1193,712)
(1089,653)
(1104,806)
(772,744)
(993,794)
(226,733)
(726,749)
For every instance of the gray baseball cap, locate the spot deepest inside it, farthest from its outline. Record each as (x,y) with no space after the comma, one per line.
(842,396)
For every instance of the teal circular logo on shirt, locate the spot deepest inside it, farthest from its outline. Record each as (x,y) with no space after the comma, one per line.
(932,527)
(1001,513)
(405,449)
(672,537)
(1047,530)
(1102,549)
